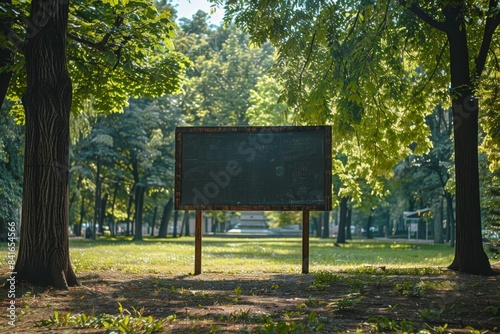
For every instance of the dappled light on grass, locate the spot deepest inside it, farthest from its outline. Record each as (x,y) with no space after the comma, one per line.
(240,255)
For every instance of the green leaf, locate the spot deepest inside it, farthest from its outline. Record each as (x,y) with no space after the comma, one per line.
(110,57)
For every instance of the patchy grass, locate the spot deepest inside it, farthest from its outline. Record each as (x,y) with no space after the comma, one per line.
(253,286)
(241,255)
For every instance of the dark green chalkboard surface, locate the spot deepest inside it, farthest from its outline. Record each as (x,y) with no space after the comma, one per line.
(253,168)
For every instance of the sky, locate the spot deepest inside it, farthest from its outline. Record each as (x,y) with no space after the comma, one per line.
(186,8)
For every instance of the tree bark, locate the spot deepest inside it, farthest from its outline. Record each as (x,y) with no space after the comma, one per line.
(185,223)
(348,223)
(113,202)
(97,198)
(369,234)
(167,212)
(438,222)
(341,236)
(176,222)
(102,214)
(43,257)
(139,204)
(153,222)
(469,253)
(82,216)
(129,212)
(326,225)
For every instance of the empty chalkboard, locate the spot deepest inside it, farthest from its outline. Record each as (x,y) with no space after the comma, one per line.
(253,168)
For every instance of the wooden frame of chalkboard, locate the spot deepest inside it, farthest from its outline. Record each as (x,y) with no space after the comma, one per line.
(253,168)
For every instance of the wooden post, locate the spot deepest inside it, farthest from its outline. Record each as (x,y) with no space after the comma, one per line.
(305,242)
(197,244)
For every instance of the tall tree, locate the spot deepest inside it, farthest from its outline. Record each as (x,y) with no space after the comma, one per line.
(122,60)
(47,106)
(375,69)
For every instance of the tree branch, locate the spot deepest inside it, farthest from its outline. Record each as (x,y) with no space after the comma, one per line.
(492,24)
(423,15)
(306,62)
(5,29)
(100,46)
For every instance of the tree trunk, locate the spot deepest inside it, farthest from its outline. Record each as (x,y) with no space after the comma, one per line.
(77,227)
(341,238)
(129,210)
(326,225)
(113,202)
(450,214)
(316,226)
(153,222)
(167,212)
(139,204)
(82,216)
(176,221)
(43,257)
(369,234)
(97,199)
(102,214)
(348,223)
(185,223)
(438,222)
(469,253)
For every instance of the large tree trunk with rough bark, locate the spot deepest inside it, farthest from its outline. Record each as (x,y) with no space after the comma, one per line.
(43,257)
(469,253)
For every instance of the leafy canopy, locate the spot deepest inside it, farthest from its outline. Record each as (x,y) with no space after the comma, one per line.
(373,70)
(116,49)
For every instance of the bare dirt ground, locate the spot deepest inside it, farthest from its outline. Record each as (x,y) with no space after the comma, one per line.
(268,303)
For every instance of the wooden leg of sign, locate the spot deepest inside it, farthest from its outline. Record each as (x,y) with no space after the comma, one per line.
(197,244)
(305,242)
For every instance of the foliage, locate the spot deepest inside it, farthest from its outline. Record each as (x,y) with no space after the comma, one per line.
(265,106)
(281,218)
(311,324)
(115,50)
(124,322)
(10,169)
(374,70)
(346,303)
(366,92)
(492,224)
(140,145)
(383,324)
(409,288)
(225,72)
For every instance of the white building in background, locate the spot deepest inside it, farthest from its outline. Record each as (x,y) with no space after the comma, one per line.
(251,219)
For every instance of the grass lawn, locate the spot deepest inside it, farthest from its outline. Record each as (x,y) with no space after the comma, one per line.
(255,286)
(246,255)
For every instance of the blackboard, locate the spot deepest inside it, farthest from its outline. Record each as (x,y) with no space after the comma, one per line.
(253,168)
